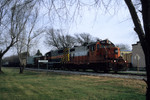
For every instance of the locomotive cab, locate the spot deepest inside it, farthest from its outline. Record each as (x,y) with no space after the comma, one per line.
(114,52)
(107,49)
(104,50)
(104,53)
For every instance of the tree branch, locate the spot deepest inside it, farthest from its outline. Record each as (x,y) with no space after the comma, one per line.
(138,27)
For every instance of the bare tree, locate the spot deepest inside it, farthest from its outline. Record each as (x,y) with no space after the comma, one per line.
(28,38)
(52,38)
(3,10)
(66,40)
(56,38)
(4,4)
(13,22)
(70,41)
(123,46)
(84,38)
(21,48)
(142,32)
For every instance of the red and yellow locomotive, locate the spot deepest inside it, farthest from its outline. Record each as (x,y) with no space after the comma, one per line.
(98,56)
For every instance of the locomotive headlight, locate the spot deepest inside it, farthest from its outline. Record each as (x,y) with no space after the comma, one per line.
(114,60)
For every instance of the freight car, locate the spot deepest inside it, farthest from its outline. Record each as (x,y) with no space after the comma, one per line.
(98,56)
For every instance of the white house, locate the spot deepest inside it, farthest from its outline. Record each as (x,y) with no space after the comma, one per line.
(138,57)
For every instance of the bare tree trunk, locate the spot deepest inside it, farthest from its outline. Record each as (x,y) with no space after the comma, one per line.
(1,65)
(144,37)
(146,48)
(147,57)
(21,69)
(21,63)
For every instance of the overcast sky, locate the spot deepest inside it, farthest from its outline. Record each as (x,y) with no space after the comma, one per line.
(117,28)
(115,25)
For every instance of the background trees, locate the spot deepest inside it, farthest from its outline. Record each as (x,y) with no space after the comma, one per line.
(28,38)
(123,47)
(14,15)
(58,38)
(82,38)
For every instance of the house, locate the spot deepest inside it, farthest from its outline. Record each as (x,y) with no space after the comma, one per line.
(138,57)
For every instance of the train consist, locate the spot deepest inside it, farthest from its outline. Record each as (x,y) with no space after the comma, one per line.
(98,56)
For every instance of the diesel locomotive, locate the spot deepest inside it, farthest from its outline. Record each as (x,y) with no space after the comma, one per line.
(98,56)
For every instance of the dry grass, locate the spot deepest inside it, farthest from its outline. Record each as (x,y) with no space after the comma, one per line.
(130,83)
(49,86)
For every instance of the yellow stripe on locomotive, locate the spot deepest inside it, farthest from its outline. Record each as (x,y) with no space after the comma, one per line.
(66,57)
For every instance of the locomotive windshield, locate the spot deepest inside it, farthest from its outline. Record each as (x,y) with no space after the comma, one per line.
(92,47)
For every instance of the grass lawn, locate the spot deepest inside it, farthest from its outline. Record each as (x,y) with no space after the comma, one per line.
(53,86)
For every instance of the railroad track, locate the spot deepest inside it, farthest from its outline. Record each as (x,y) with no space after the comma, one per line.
(116,75)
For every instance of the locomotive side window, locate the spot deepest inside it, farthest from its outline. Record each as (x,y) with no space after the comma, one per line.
(72,49)
(87,47)
(88,54)
(116,51)
(98,46)
(60,51)
(92,48)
